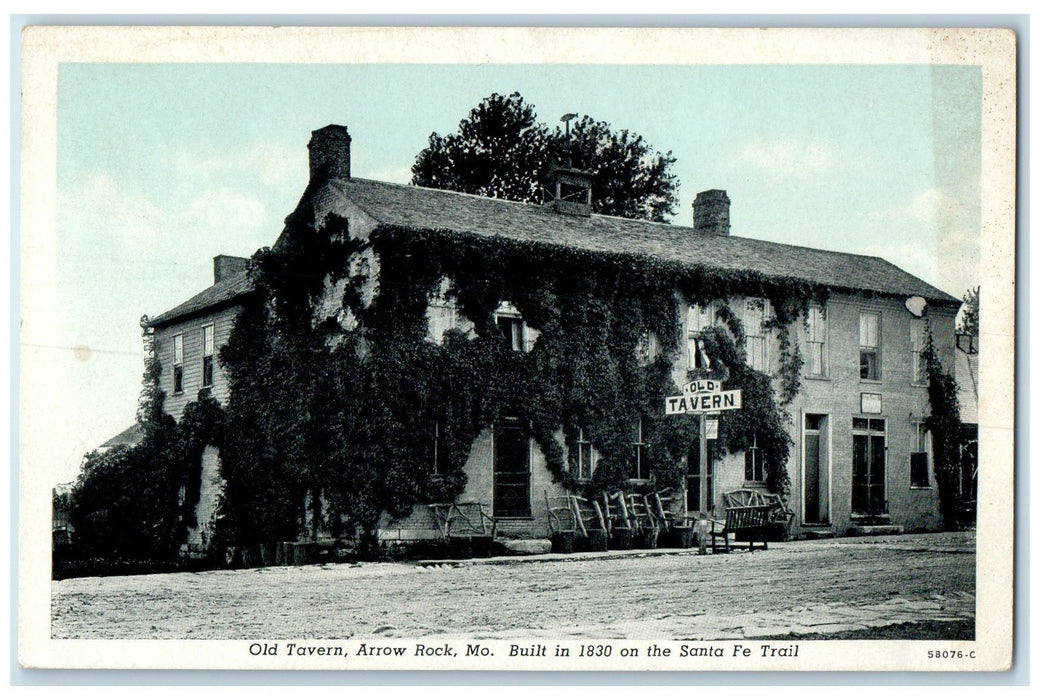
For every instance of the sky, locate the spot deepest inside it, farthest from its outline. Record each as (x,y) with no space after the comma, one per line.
(163,166)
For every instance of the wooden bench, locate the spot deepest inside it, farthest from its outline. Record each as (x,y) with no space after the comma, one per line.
(779,518)
(469,519)
(744,524)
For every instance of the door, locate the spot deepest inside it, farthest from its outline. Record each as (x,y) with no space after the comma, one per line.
(868,466)
(817,470)
(512,488)
(693,477)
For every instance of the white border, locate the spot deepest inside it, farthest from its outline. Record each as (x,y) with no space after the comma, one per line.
(993,49)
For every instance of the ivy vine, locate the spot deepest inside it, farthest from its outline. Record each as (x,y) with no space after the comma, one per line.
(349,409)
(944,424)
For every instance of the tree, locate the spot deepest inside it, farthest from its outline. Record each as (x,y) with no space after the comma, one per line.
(969,320)
(501,150)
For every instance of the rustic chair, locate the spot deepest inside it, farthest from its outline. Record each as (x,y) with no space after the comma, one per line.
(591,523)
(619,526)
(642,518)
(562,518)
(675,526)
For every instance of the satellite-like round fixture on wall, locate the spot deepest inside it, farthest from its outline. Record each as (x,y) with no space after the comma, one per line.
(915,305)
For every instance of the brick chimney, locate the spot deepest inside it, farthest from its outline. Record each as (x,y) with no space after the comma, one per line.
(711,212)
(227,266)
(330,153)
(572,191)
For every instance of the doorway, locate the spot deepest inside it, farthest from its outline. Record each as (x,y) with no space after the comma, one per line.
(868,466)
(816,452)
(512,470)
(693,477)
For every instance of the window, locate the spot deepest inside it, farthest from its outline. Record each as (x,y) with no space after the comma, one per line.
(440,459)
(513,331)
(582,457)
(870,346)
(755,334)
(638,466)
(918,339)
(442,317)
(754,468)
(207,356)
(519,336)
(698,319)
(647,349)
(442,314)
(178,363)
(920,456)
(816,342)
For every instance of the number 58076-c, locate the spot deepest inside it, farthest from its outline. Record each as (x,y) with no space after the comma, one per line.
(950,654)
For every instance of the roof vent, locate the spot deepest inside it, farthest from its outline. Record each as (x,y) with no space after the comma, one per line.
(711,212)
(572,192)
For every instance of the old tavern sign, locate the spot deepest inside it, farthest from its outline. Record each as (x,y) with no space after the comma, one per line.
(702,396)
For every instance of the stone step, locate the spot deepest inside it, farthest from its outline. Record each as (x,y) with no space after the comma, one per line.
(861,530)
(816,533)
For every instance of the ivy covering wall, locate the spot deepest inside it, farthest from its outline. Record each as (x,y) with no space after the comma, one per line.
(344,401)
(944,424)
(335,403)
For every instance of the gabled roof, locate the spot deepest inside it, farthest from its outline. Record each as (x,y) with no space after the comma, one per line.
(129,437)
(423,208)
(220,294)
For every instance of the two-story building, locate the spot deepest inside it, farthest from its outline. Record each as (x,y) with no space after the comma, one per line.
(861,454)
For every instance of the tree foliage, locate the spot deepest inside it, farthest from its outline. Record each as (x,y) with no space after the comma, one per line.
(137,501)
(969,319)
(501,150)
(124,503)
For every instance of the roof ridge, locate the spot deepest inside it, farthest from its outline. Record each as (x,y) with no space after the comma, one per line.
(644,222)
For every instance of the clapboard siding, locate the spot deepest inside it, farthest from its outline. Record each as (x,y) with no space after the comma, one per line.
(222,322)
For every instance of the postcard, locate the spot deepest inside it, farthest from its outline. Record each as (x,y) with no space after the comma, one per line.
(381,348)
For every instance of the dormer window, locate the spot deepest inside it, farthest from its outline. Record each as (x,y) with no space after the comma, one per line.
(573,191)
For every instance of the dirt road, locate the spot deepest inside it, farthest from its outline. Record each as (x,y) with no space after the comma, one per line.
(797,587)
